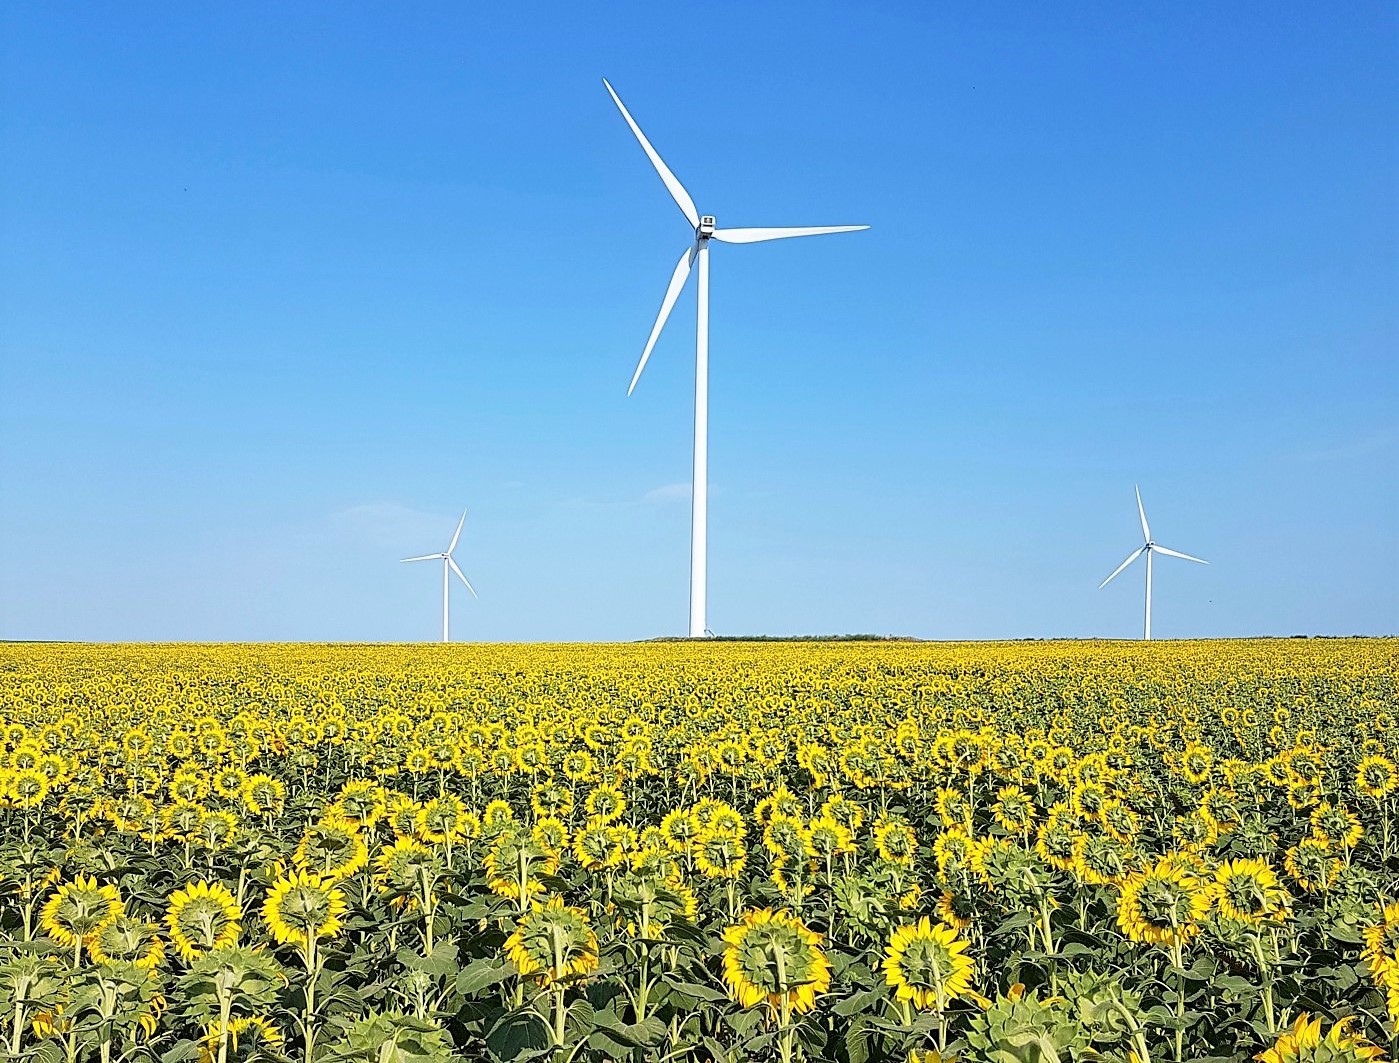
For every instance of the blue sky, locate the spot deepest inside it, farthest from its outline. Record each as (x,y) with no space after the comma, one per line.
(283,288)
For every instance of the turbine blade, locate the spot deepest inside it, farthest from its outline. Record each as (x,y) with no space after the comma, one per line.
(672,183)
(1177,553)
(425,557)
(1141,512)
(672,293)
(462,576)
(1118,570)
(756,236)
(457,536)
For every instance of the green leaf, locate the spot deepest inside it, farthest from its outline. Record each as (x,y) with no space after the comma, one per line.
(741,1022)
(182,1051)
(480,974)
(698,992)
(518,1035)
(859,1003)
(857,1040)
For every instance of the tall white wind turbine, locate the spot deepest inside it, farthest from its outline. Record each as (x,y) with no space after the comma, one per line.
(1149,547)
(449,565)
(698,252)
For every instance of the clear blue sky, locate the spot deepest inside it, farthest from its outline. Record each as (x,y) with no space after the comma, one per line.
(283,288)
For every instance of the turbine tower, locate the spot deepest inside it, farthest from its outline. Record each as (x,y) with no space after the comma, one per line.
(698,253)
(449,565)
(1149,547)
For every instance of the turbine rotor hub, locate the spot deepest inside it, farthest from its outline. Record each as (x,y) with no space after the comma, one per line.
(706,227)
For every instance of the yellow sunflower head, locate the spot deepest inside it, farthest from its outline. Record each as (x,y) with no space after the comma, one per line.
(553,943)
(202,917)
(78,909)
(129,940)
(895,842)
(1382,940)
(1248,891)
(302,906)
(1303,1043)
(249,1037)
(771,957)
(1164,904)
(332,848)
(926,965)
(1375,776)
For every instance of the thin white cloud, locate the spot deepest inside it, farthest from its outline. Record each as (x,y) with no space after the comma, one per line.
(1359,448)
(667,494)
(392,524)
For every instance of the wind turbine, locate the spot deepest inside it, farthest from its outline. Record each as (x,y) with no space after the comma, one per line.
(449,566)
(1149,547)
(698,252)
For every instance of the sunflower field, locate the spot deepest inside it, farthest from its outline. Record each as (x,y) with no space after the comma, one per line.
(679,852)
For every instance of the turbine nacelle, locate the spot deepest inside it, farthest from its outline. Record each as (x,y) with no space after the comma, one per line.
(706,227)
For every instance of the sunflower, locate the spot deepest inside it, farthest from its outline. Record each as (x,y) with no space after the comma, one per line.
(1382,941)
(1014,810)
(402,867)
(825,839)
(1100,859)
(1056,839)
(228,781)
(598,845)
(402,814)
(201,918)
(1304,1043)
(301,906)
(1375,776)
(263,795)
(331,848)
(126,939)
(497,817)
(552,943)
(28,787)
(217,829)
(1164,904)
(513,862)
(550,834)
(362,801)
(249,1037)
(578,766)
(926,965)
(1312,866)
(680,828)
(605,803)
(78,909)
(720,855)
(952,807)
(551,799)
(844,811)
(442,819)
(1336,824)
(1195,763)
(725,819)
(772,957)
(895,842)
(783,837)
(955,910)
(1248,891)
(1120,821)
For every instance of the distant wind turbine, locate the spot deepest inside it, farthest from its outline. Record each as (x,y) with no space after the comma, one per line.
(698,251)
(449,566)
(1148,548)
